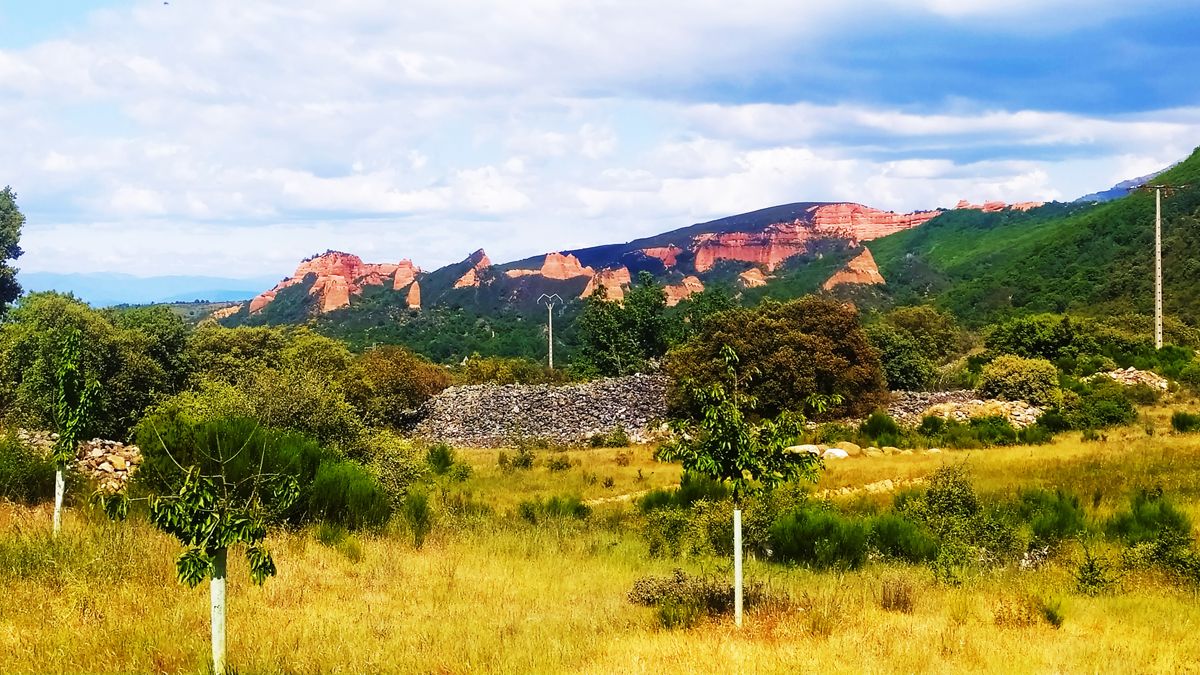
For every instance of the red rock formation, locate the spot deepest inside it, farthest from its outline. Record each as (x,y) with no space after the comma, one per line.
(860,270)
(225,312)
(403,274)
(752,278)
(768,248)
(865,223)
(414,296)
(340,276)
(479,262)
(666,254)
(614,280)
(559,266)
(686,288)
(992,207)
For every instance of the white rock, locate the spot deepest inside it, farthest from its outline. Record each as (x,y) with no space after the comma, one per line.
(835,453)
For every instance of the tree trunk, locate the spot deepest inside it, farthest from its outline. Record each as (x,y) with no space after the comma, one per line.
(737,567)
(217,593)
(58,500)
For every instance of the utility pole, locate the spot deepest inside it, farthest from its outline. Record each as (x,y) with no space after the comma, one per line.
(550,301)
(1158,306)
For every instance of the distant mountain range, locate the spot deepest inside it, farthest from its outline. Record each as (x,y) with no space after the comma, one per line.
(106,289)
(1122,189)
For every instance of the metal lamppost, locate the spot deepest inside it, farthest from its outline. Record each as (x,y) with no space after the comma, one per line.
(550,300)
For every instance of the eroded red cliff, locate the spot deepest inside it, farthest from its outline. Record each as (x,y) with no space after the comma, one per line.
(860,270)
(338,277)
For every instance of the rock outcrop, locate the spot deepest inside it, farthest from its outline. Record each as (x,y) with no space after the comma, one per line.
(109,464)
(864,223)
(860,270)
(667,254)
(494,415)
(1131,376)
(471,279)
(337,277)
(992,207)
(909,407)
(614,281)
(752,278)
(676,293)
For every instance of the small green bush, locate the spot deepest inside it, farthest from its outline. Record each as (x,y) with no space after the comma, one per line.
(692,488)
(993,430)
(558,463)
(440,458)
(1150,513)
(1020,379)
(418,515)
(820,539)
(1093,576)
(897,537)
(1185,422)
(26,475)
(615,438)
(555,508)
(345,493)
(706,594)
(1035,434)
(880,424)
(395,463)
(1052,516)
(521,460)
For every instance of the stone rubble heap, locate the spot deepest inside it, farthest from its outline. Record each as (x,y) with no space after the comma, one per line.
(494,415)
(109,463)
(1131,376)
(908,407)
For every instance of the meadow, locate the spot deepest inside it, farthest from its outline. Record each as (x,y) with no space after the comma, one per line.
(490,591)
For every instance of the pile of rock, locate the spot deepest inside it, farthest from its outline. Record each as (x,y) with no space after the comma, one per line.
(42,440)
(494,415)
(908,407)
(110,463)
(1131,376)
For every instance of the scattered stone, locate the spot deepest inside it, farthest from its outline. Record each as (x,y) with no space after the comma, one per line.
(851,449)
(811,449)
(933,451)
(909,407)
(835,453)
(890,450)
(1131,376)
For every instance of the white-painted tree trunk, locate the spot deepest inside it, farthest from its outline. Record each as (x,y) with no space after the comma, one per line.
(737,567)
(217,593)
(59,488)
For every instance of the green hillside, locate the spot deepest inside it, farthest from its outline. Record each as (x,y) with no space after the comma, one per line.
(1087,259)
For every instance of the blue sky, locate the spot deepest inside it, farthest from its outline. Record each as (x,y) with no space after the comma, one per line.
(233,138)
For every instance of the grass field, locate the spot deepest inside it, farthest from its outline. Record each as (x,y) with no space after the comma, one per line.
(492,593)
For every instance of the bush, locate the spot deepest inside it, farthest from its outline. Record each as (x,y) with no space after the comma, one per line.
(393,380)
(879,425)
(1016,378)
(904,364)
(522,460)
(505,370)
(1185,422)
(993,430)
(799,348)
(1035,434)
(897,537)
(26,475)
(1093,576)
(418,515)
(440,458)
(394,463)
(820,539)
(705,594)
(898,595)
(692,488)
(331,488)
(1149,514)
(558,463)
(555,508)
(1044,336)
(616,438)
(1052,516)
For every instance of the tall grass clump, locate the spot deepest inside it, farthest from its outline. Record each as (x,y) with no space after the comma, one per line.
(1150,514)
(820,539)
(1052,516)
(1185,422)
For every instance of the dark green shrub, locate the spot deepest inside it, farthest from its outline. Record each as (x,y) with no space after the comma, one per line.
(1149,514)
(459,472)
(897,537)
(440,457)
(993,430)
(1054,421)
(880,424)
(1093,575)
(345,493)
(555,508)
(395,463)
(931,426)
(1035,434)
(521,460)
(1185,422)
(904,364)
(1142,394)
(418,515)
(26,475)
(692,488)
(820,539)
(1052,516)
(558,463)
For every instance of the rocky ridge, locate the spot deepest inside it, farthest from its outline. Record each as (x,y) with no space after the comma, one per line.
(909,407)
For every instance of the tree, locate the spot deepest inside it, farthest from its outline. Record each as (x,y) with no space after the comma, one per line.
(213,495)
(698,308)
(72,413)
(619,338)
(722,443)
(11,220)
(390,380)
(795,349)
(934,332)
(905,364)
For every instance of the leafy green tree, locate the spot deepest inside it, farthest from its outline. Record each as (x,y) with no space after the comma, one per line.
(723,444)
(123,360)
(1043,336)
(167,338)
(619,338)
(697,309)
(228,354)
(905,364)
(793,350)
(389,381)
(72,415)
(933,331)
(11,220)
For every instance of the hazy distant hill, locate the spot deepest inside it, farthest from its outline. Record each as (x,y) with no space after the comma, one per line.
(106,289)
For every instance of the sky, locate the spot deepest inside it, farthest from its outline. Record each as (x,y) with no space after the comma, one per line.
(232,138)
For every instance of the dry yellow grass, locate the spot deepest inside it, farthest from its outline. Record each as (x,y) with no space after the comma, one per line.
(499,596)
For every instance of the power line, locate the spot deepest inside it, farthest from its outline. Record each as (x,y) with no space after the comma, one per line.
(1159,189)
